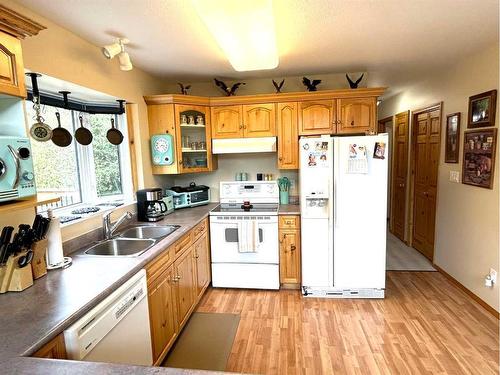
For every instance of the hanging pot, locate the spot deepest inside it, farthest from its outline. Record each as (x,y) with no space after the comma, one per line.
(61,136)
(114,135)
(82,134)
(39,131)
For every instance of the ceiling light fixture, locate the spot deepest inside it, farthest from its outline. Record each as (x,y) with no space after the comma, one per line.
(244,30)
(118,48)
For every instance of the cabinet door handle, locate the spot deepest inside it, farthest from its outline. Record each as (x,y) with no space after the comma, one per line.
(280,158)
(293,247)
(222,125)
(352,123)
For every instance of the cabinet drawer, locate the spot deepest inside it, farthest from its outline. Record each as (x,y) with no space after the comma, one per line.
(199,229)
(184,242)
(158,265)
(289,221)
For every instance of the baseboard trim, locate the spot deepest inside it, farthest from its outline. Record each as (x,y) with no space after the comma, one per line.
(460,286)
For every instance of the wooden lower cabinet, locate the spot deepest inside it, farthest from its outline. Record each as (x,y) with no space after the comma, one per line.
(176,282)
(162,314)
(202,261)
(185,279)
(290,259)
(55,349)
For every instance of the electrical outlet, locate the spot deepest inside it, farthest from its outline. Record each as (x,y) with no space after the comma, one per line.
(493,275)
(455,176)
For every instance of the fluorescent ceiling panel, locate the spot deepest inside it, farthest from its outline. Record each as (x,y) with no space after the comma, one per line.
(244,29)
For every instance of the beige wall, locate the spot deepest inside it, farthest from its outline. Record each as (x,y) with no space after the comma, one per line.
(467,219)
(231,164)
(59,53)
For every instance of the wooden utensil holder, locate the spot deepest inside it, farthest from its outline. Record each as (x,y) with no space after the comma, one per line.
(15,279)
(38,264)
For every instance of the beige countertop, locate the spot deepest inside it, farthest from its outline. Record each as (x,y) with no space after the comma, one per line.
(33,317)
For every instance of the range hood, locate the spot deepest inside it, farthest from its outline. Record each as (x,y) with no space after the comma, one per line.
(243,145)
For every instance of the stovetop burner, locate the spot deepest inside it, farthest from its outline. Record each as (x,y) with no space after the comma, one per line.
(238,208)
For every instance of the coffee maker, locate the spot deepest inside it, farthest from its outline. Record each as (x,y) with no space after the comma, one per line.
(150,205)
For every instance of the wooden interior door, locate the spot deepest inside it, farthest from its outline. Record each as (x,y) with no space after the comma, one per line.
(356,115)
(399,181)
(227,121)
(317,117)
(426,148)
(288,137)
(186,285)
(259,120)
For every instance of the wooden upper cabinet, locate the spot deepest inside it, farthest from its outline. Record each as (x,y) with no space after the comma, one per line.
(317,117)
(259,120)
(227,122)
(288,137)
(11,66)
(357,115)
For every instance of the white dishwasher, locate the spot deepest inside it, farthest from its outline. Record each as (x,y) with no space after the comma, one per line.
(117,329)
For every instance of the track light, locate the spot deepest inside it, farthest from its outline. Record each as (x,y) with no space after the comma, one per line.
(118,48)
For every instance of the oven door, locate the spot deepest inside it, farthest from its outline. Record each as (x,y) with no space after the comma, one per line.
(224,240)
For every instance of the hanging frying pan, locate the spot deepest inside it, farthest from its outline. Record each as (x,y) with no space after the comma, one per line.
(114,135)
(82,134)
(61,136)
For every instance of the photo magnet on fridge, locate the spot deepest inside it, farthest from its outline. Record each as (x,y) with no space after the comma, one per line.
(379,151)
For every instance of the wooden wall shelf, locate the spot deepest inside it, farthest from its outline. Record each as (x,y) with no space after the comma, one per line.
(37,200)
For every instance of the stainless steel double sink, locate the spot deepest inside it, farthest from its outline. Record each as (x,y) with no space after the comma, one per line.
(132,241)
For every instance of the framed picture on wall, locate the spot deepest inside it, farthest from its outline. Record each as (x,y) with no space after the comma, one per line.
(482,109)
(452,146)
(479,157)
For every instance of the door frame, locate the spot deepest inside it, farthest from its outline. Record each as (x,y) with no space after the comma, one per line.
(413,138)
(383,122)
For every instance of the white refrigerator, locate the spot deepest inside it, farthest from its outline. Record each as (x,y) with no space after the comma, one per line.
(343,185)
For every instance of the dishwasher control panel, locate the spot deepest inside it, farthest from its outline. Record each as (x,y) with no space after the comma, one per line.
(128,301)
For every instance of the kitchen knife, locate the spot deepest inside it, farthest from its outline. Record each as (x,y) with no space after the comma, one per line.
(4,241)
(36,226)
(25,259)
(44,227)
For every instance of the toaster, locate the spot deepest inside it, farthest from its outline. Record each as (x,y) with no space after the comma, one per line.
(189,196)
(17,178)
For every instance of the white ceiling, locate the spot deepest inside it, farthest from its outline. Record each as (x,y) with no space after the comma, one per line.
(314,36)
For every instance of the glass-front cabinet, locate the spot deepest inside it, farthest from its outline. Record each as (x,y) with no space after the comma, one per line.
(193,138)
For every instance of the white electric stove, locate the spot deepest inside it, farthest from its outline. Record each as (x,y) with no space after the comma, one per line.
(244,236)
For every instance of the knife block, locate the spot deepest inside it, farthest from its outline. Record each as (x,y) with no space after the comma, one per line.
(15,279)
(38,264)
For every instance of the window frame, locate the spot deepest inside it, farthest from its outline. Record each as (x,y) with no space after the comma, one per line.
(86,171)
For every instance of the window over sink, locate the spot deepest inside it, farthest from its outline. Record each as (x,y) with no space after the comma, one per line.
(82,175)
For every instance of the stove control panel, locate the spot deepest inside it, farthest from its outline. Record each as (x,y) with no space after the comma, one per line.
(252,191)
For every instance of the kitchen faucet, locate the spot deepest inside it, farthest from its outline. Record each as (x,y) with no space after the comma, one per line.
(109,229)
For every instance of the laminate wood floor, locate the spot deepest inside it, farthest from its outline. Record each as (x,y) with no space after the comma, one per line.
(425,325)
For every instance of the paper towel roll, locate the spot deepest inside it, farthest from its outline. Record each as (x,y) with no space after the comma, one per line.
(55,255)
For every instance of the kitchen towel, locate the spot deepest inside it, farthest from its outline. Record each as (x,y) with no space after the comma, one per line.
(248,236)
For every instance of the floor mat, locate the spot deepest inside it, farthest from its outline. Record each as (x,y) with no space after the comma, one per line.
(205,343)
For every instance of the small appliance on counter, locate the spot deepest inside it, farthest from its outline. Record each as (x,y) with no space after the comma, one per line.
(150,205)
(17,179)
(189,196)
(169,202)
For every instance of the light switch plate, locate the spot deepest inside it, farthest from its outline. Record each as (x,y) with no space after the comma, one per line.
(455,176)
